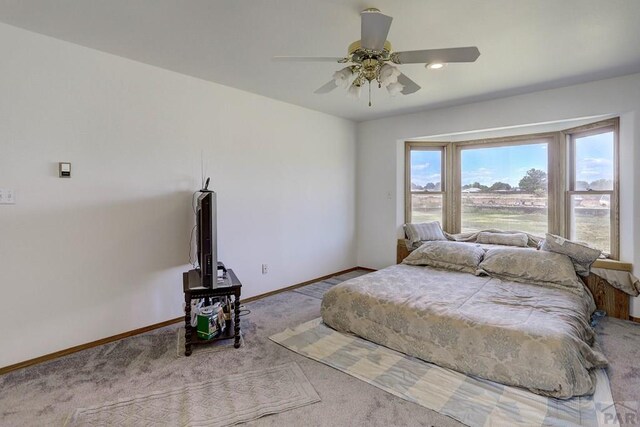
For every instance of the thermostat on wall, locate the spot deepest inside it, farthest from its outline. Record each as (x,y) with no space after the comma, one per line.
(65,169)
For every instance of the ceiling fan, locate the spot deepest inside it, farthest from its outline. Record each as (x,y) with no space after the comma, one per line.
(371,58)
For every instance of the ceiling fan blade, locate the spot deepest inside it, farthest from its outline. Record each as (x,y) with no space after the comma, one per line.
(326,88)
(374,29)
(429,56)
(306,59)
(409,85)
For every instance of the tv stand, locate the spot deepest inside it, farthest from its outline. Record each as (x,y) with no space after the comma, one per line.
(193,290)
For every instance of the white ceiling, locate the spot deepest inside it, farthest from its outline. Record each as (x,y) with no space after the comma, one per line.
(525,45)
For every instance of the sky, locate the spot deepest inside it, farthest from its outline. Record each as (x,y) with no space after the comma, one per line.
(504,164)
(594,156)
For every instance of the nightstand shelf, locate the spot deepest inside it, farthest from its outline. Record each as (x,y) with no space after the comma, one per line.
(193,290)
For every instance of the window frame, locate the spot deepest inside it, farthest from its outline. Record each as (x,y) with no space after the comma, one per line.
(560,176)
(551,139)
(610,125)
(442,147)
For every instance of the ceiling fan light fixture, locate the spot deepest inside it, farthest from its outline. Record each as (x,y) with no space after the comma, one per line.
(435,65)
(372,60)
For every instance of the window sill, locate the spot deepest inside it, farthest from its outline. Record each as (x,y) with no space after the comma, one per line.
(610,264)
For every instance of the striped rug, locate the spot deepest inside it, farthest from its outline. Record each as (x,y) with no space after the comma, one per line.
(472,401)
(317,289)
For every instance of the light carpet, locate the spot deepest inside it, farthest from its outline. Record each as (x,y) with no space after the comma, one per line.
(470,400)
(223,401)
(47,393)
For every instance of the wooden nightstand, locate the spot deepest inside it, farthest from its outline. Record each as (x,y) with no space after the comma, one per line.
(193,290)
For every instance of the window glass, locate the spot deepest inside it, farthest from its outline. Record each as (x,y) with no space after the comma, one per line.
(591,220)
(426,184)
(426,170)
(594,162)
(505,188)
(426,207)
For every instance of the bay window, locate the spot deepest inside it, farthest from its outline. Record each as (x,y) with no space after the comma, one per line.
(564,183)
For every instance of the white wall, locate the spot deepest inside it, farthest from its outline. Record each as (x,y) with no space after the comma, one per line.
(103,252)
(380,161)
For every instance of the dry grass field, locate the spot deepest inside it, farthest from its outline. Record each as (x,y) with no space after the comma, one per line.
(521,212)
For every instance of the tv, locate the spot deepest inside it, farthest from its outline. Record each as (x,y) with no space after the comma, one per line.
(207,246)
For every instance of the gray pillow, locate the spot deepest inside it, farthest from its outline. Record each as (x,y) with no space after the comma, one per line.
(508,239)
(423,232)
(456,256)
(531,266)
(582,256)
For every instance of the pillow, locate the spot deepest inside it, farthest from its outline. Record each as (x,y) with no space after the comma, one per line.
(425,231)
(456,256)
(582,256)
(508,239)
(531,266)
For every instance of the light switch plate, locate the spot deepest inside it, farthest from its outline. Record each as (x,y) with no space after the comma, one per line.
(64,169)
(7,197)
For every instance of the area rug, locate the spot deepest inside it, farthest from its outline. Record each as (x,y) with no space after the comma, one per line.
(222,401)
(208,348)
(470,400)
(317,290)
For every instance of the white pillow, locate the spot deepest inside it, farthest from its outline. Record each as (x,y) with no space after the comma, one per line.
(423,232)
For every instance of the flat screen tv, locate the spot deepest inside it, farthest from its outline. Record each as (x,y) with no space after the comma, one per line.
(207,246)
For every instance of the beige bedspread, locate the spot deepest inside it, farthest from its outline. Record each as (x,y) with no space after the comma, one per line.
(518,334)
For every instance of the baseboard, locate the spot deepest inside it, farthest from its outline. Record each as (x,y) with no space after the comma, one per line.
(634,319)
(142,330)
(89,345)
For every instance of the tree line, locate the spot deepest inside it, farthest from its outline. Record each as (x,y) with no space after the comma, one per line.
(534,181)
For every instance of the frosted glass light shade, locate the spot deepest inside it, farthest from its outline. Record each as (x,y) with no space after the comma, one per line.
(388,75)
(354,91)
(343,77)
(395,88)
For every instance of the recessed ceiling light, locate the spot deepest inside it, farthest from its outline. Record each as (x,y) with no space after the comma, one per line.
(435,65)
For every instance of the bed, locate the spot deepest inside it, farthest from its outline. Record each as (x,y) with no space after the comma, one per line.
(609,298)
(532,335)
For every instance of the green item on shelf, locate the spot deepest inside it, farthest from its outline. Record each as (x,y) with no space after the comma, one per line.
(208,323)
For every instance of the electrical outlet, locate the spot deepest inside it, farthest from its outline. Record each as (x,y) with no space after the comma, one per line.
(265,269)
(7,197)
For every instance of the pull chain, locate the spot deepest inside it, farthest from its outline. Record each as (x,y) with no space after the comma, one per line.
(369,93)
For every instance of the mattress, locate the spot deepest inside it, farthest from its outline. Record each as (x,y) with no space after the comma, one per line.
(518,334)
